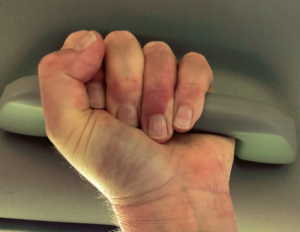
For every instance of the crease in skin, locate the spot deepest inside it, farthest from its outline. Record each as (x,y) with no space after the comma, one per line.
(87,123)
(143,195)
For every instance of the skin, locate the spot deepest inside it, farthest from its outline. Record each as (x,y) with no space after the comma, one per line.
(128,166)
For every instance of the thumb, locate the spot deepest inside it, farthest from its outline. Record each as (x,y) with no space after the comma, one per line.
(62,78)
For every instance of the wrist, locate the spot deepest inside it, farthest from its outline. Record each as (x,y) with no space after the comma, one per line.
(193,210)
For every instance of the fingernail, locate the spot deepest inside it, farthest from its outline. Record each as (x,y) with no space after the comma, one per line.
(183,117)
(157,127)
(128,115)
(87,41)
(96,95)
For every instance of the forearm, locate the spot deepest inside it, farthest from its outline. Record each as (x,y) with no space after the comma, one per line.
(193,211)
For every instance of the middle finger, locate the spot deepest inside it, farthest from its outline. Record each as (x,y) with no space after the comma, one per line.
(160,77)
(124,67)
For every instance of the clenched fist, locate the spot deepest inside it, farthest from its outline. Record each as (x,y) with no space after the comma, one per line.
(114,111)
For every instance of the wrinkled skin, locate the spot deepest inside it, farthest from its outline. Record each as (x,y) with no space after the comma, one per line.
(123,161)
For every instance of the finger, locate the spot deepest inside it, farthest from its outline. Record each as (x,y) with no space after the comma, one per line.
(160,76)
(194,79)
(124,67)
(96,89)
(62,77)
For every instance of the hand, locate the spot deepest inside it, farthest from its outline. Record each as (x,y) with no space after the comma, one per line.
(133,166)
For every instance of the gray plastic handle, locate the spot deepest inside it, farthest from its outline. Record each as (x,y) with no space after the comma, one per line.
(263,134)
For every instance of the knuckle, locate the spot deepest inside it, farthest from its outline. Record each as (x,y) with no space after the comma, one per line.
(120,36)
(195,57)
(47,60)
(156,46)
(50,62)
(198,59)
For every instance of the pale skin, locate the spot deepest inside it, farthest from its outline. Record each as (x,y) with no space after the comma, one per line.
(120,157)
